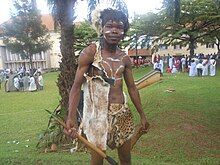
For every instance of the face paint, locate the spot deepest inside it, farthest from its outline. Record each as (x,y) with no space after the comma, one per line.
(107,32)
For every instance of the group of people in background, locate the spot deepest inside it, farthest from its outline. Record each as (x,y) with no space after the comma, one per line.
(23,80)
(202,67)
(198,65)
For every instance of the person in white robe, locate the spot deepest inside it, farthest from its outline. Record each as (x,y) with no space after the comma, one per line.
(175,66)
(174,69)
(7,84)
(33,86)
(156,66)
(171,62)
(40,81)
(192,69)
(26,82)
(205,64)
(16,83)
(183,63)
(212,67)
(161,65)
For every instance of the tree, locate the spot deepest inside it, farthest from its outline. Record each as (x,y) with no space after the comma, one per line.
(172,8)
(198,19)
(63,14)
(24,34)
(84,35)
(118,4)
(143,29)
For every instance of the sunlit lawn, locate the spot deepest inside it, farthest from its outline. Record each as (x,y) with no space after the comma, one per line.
(185,124)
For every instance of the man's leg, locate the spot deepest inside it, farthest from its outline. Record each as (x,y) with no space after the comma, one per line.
(96,159)
(124,153)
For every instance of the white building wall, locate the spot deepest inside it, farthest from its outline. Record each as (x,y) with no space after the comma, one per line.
(54,53)
(184,51)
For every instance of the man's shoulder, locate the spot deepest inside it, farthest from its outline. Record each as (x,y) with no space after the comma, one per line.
(124,57)
(90,50)
(87,54)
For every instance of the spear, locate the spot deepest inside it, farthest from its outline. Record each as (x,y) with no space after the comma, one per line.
(86,142)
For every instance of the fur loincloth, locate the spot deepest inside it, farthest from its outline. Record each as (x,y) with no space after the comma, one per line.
(121,126)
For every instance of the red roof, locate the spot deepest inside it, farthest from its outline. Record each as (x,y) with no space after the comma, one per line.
(47,20)
(140,52)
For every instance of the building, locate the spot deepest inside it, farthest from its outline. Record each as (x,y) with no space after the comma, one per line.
(44,60)
(175,50)
(178,50)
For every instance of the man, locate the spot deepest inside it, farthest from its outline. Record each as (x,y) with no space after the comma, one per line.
(192,68)
(106,118)
(183,62)
(199,68)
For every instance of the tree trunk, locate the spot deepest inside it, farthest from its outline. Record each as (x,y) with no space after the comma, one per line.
(218,48)
(31,65)
(218,44)
(24,65)
(68,65)
(191,47)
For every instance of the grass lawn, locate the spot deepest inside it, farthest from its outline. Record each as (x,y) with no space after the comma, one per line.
(185,124)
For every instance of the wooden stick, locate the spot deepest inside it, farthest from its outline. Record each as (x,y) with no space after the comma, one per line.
(86,142)
(138,132)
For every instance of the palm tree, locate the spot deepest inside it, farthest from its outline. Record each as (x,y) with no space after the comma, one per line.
(63,14)
(118,4)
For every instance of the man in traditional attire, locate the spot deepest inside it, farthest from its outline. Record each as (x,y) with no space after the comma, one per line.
(107,119)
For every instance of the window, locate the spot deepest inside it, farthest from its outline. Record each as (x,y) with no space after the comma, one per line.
(163,46)
(177,47)
(209,45)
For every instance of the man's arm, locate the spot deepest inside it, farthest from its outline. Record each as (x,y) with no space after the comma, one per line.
(133,92)
(85,60)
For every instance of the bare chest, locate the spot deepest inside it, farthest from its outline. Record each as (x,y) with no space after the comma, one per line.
(113,67)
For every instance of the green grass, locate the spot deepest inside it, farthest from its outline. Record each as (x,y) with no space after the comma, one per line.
(185,124)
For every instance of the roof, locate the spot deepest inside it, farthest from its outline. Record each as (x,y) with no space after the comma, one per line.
(47,20)
(140,52)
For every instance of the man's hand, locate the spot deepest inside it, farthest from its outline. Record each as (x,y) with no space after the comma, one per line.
(144,123)
(72,128)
